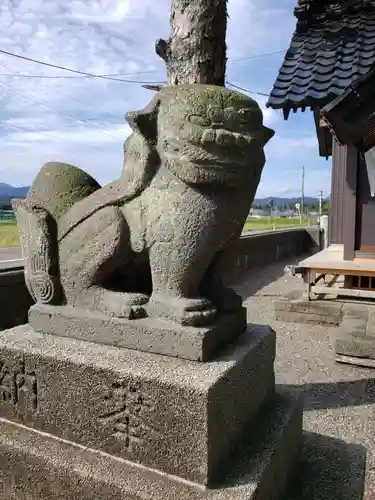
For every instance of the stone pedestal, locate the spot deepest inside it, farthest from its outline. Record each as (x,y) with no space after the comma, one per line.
(83,420)
(146,334)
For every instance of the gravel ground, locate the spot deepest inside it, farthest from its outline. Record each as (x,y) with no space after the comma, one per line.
(338,457)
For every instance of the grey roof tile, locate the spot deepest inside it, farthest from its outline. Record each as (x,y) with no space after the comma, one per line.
(333,45)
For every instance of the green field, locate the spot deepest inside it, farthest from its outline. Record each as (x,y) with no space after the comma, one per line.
(9,231)
(9,234)
(268,223)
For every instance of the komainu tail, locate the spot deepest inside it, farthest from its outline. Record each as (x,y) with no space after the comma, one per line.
(39,250)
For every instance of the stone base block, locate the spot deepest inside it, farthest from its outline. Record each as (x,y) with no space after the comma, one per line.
(180,417)
(352,346)
(145,334)
(38,466)
(354,342)
(300,310)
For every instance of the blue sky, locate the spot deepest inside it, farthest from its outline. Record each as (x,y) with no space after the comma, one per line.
(81,120)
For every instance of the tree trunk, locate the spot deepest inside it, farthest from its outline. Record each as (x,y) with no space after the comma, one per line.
(196,49)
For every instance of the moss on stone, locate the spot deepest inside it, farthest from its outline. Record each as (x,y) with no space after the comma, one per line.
(58,186)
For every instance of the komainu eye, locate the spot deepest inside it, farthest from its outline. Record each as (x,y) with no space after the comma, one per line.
(251,117)
(246,115)
(199,120)
(230,115)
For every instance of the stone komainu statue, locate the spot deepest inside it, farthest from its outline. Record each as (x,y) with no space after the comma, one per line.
(150,242)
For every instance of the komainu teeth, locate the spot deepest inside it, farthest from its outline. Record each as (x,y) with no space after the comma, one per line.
(224,137)
(209,136)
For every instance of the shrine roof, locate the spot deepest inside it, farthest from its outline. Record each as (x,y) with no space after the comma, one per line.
(333,45)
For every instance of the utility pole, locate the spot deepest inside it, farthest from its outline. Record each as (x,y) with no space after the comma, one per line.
(302,209)
(320,203)
(196,49)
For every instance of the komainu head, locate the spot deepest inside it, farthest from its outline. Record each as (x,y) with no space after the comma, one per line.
(205,134)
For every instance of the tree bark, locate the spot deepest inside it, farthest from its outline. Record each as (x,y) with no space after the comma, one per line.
(196,49)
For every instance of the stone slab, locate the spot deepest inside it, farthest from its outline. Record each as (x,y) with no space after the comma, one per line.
(354,341)
(177,416)
(361,346)
(306,318)
(352,360)
(144,334)
(356,309)
(370,329)
(296,309)
(41,467)
(302,305)
(354,326)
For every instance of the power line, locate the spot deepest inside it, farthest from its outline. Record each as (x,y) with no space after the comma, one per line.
(258,55)
(63,112)
(157,88)
(109,76)
(246,90)
(84,73)
(80,77)
(25,129)
(38,101)
(50,136)
(106,77)
(69,118)
(72,119)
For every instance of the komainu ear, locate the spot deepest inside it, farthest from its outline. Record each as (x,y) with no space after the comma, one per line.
(145,121)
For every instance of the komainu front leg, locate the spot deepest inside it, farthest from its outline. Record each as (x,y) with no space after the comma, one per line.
(176,276)
(224,298)
(212,287)
(88,257)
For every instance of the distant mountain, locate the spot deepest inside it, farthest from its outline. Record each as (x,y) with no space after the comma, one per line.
(279,202)
(7,192)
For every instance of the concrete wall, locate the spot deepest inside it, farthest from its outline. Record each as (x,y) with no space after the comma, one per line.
(261,248)
(15,299)
(252,250)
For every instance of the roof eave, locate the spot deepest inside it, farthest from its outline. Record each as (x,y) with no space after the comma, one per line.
(322,132)
(308,102)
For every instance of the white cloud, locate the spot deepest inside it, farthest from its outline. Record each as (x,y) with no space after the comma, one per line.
(269,116)
(286,156)
(293,147)
(258,26)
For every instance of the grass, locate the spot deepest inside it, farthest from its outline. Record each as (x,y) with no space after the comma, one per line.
(268,223)
(9,236)
(9,232)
